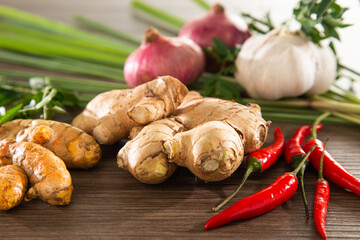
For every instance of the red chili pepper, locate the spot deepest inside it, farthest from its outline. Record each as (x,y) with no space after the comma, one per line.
(294,153)
(261,202)
(321,200)
(333,171)
(260,160)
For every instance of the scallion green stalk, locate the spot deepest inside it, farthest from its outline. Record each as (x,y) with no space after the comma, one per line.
(107,30)
(47,48)
(157,16)
(63,65)
(7,27)
(203,4)
(73,84)
(19,17)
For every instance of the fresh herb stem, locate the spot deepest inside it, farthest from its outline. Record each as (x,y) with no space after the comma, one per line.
(267,23)
(65,65)
(107,30)
(304,119)
(157,16)
(349,117)
(79,43)
(203,4)
(34,21)
(314,101)
(349,69)
(31,45)
(74,84)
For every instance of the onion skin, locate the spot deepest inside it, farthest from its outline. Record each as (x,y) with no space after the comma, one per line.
(215,24)
(159,56)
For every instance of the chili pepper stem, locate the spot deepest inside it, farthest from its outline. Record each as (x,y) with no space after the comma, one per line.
(303,161)
(249,170)
(320,172)
(303,195)
(317,121)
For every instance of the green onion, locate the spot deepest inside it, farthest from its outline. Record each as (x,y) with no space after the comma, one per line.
(63,65)
(47,48)
(19,17)
(61,39)
(105,29)
(73,84)
(157,16)
(202,3)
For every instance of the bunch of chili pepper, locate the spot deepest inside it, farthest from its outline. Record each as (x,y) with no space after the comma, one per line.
(294,153)
(261,202)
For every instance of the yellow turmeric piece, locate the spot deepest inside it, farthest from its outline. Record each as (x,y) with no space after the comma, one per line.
(74,146)
(13,184)
(48,177)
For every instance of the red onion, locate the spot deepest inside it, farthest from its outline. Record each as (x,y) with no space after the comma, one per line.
(158,56)
(216,24)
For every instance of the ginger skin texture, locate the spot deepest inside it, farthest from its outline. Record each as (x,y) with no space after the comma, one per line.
(110,116)
(209,136)
(48,177)
(74,146)
(13,184)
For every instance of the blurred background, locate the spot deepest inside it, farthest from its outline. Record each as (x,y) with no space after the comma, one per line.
(119,14)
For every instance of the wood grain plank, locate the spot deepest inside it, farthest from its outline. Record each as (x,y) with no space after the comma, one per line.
(108,203)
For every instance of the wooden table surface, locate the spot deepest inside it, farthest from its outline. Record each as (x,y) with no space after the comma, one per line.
(108,203)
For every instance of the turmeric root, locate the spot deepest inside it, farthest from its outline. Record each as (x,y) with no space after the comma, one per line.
(210,138)
(13,184)
(49,179)
(110,116)
(75,147)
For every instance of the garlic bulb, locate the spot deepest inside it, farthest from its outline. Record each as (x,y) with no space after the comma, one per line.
(283,64)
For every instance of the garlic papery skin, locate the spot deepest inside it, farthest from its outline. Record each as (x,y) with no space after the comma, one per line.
(326,71)
(282,64)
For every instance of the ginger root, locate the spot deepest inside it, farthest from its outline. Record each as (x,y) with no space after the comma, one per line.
(212,151)
(49,179)
(207,135)
(110,116)
(144,157)
(75,147)
(13,184)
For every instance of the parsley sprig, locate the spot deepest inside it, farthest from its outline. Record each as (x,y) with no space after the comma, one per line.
(36,99)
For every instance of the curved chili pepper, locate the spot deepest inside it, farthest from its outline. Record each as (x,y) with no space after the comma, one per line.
(281,190)
(261,202)
(260,160)
(321,200)
(294,153)
(333,171)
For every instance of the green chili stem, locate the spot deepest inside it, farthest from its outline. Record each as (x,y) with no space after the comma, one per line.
(317,121)
(301,164)
(321,177)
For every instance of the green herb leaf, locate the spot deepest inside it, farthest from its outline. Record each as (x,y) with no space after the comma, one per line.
(11,113)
